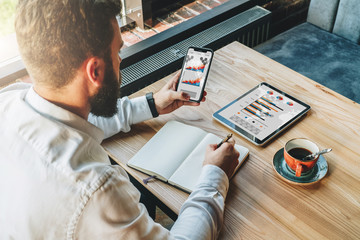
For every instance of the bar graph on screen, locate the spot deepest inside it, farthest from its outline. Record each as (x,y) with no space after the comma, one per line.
(196,68)
(261,108)
(195,82)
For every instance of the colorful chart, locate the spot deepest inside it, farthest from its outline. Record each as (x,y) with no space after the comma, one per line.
(262,108)
(271,103)
(196,69)
(195,82)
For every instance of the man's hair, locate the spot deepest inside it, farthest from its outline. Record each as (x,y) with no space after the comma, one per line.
(56,37)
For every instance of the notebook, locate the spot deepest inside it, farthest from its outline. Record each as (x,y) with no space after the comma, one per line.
(175,154)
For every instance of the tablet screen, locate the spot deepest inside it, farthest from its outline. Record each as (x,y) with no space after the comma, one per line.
(261,112)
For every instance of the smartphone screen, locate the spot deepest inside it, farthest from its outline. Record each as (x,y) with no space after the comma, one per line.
(194,72)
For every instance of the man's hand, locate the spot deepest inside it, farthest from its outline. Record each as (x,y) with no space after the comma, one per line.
(226,157)
(168,100)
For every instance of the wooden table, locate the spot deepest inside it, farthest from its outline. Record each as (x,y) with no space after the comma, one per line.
(260,205)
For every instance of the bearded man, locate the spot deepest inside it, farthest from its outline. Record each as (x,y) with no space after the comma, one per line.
(56,181)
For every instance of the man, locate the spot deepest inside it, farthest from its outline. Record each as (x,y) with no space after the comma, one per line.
(56,181)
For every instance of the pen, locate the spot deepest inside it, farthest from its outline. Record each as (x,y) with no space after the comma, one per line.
(224,140)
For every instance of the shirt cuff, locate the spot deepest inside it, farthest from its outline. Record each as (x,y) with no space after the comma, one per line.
(140,109)
(214,177)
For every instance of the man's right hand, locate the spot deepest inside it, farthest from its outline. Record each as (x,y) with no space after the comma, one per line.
(226,157)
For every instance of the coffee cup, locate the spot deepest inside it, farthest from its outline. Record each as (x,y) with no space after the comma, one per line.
(294,152)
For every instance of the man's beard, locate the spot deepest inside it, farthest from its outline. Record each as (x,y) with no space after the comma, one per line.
(104,103)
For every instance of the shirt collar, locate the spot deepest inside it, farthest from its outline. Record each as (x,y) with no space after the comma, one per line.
(52,111)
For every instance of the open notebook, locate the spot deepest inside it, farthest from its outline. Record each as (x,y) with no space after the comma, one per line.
(175,154)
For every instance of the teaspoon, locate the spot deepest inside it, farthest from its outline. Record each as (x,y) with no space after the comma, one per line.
(311,156)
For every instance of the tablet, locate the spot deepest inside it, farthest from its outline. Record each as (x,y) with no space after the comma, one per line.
(261,113)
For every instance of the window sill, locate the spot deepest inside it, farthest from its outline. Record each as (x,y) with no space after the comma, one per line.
(11,70)
(11,64)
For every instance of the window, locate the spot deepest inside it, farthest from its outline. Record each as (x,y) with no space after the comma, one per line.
(10,61)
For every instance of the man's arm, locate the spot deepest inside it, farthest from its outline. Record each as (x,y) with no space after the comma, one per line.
(201,216)
(203,210)
(132,111)
(114,211)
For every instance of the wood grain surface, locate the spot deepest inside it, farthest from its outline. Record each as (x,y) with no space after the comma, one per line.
(259,204)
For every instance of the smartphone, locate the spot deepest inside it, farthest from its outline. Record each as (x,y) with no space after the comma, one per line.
(194,72)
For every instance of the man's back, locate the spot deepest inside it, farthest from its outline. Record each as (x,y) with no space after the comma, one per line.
(53,171)
(36,174)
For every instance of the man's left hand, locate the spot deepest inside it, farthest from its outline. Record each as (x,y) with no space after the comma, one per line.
(168,100)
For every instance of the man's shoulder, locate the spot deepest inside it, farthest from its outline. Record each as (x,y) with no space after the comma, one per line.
(13,91)
(18,86)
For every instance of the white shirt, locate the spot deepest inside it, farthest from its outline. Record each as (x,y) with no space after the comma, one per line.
(56,181)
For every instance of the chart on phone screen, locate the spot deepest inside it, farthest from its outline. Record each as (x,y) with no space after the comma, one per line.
(193,75)
(262,111)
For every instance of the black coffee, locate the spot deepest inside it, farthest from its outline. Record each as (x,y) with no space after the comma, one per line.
(299,153)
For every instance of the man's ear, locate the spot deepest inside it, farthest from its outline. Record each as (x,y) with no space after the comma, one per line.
(95,71)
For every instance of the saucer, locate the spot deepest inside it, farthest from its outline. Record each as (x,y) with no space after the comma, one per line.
(312,176)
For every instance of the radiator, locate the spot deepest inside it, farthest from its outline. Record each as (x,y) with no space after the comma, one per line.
(250,27)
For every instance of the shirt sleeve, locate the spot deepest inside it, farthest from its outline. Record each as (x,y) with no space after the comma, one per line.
(201,216)
(114,211)
(130,111)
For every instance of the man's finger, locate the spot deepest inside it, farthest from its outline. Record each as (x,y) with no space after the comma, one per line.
(191,103)
(231,141)
(212,147)
(227,144)
(172,84)
(182,96)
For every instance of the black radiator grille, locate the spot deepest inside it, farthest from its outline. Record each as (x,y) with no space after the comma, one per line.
(250,27)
